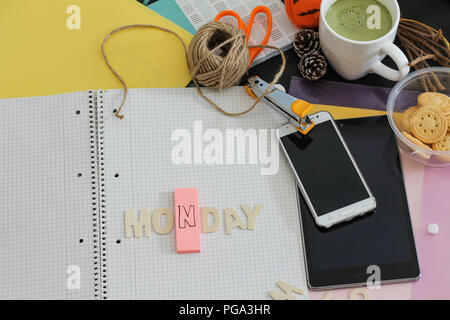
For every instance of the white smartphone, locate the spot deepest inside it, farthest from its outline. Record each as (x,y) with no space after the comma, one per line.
(326,173)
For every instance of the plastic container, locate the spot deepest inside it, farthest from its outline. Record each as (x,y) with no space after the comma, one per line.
(404,95)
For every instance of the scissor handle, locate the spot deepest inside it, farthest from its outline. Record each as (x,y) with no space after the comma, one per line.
(259,9)
(266,11)
(241,24)
(247,29)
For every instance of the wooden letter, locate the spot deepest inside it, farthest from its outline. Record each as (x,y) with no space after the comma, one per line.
(288,293)
(156,220)
(362,292)
(132,222)
(232,223)
(251,215)
(205,215)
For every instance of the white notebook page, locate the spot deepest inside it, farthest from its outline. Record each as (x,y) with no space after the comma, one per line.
(244,265)
(45,207)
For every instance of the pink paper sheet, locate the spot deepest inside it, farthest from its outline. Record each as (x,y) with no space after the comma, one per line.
(433,250)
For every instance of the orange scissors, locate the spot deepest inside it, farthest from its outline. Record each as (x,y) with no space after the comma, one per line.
(247,29)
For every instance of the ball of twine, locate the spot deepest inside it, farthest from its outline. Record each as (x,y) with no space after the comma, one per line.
(218,56)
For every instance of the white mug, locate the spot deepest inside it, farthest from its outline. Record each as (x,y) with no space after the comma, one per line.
(354,59)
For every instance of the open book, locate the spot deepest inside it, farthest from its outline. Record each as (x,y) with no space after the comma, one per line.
(70,169)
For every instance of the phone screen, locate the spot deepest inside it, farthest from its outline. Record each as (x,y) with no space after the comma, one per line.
(324,168)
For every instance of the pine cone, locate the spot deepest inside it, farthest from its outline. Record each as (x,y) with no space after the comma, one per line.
(313,65)
(306,40)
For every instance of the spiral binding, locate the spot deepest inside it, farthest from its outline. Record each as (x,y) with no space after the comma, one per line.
(102,197)
(98,192)
(94,189)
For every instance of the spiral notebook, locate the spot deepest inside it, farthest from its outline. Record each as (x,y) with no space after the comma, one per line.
(70,169)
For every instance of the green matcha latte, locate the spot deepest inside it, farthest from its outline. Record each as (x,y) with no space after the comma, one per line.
(359,20)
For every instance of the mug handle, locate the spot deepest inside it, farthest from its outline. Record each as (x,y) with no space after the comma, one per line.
(400,60)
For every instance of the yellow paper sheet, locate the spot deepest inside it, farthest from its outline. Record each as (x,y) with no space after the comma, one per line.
(39,55)
(346,112)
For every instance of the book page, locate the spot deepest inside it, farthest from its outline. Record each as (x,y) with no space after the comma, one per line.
(142,170)
(46,222)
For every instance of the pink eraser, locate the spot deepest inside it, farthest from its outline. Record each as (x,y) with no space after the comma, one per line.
(187,222)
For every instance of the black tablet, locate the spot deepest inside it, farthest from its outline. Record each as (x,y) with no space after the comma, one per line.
(340,256)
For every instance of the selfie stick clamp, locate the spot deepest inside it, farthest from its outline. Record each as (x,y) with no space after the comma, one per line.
(293,109)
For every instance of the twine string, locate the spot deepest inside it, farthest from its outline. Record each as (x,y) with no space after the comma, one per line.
(116,74)
(204,63)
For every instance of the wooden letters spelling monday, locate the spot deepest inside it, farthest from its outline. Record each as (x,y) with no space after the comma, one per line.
(187,220)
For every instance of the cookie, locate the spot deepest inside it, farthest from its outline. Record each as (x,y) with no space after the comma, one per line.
(407,116)
(429,124)
(418,143)
(434,99)
(397,117)
(442,145)
(447,115)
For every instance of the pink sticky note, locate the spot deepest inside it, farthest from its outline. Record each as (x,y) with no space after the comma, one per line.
(187,221)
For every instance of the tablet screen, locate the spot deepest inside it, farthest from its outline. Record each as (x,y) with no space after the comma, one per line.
(341,255)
